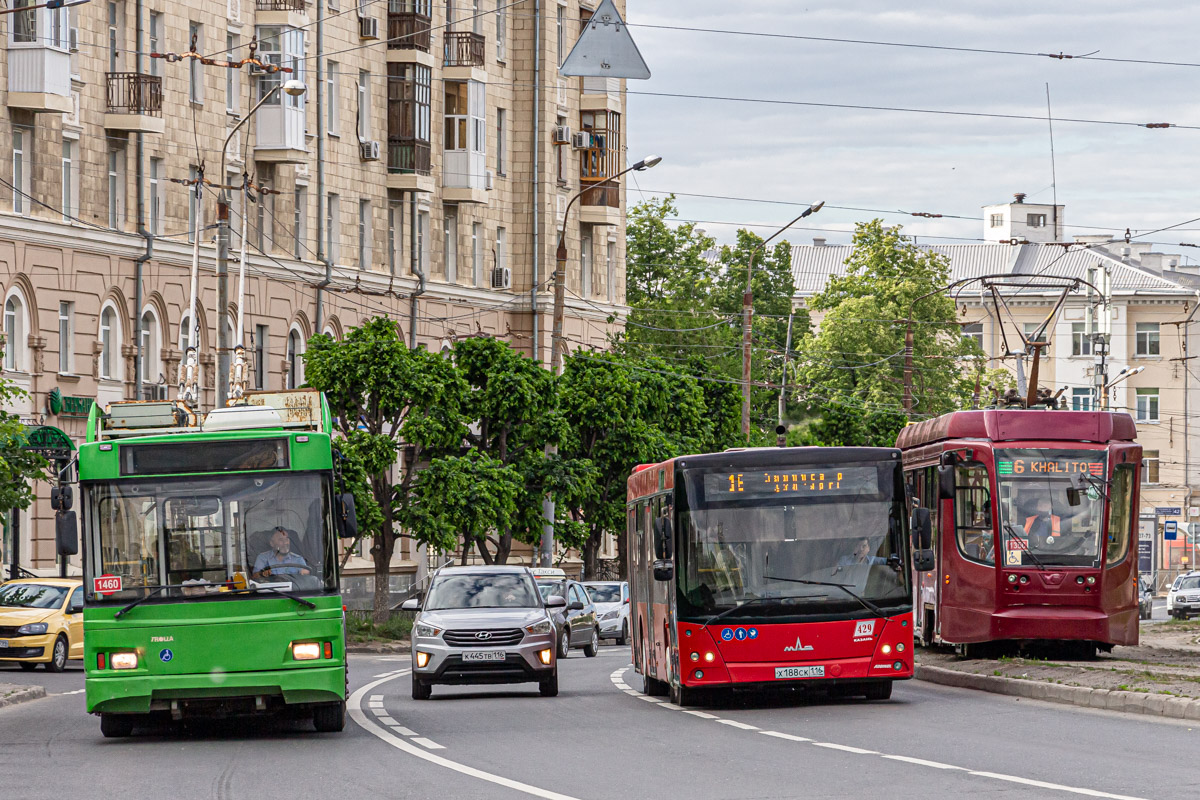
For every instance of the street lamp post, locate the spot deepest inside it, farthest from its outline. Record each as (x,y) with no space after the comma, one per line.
(747,315)
(294,88)
(546,551)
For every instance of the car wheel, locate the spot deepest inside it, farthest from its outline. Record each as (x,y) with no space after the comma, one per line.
(878,691)
(58,656)
(116,726)
(330,718)
(624,638)
(28,666)
(591,648)
(549,686)
(564,642)
(421,690)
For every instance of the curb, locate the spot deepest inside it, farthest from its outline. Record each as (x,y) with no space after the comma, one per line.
(379,650)
(1157,705)
(22,695)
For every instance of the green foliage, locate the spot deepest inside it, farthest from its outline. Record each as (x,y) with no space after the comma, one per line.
(18,467)
(466,497)
(361,628)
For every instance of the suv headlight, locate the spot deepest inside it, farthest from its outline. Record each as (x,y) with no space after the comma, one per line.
(33,629)
(544,626)
(425,630)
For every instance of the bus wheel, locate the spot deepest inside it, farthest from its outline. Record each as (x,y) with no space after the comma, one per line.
(683,696)
(330,718)
(115,726)
(653,686)
(878,691)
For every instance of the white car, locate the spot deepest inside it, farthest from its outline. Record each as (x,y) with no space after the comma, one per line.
(612,608)
(1183,600)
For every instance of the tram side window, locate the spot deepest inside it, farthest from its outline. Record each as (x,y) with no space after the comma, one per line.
(929,499)
(1120,513)
(973,514)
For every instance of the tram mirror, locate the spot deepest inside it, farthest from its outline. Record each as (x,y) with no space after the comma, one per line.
(946,482)
(664,570)
(346,517)
(923,560)
(66,533)
(922,528)
(1073,496)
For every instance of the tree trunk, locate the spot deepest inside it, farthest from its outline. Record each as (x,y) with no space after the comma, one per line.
(385,544)
(591,556)
(503,548)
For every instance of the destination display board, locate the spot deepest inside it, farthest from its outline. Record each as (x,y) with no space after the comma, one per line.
(807,481)
(1048,464)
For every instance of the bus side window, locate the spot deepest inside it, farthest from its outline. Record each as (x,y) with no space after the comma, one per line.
(973,514)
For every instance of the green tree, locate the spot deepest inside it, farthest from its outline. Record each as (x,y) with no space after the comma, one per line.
(381,393)
(18,466)
(852,368)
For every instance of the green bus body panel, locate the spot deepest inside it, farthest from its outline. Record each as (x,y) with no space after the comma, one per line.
(97,464)
(218,648)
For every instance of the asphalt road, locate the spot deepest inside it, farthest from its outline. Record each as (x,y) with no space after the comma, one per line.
(600,739)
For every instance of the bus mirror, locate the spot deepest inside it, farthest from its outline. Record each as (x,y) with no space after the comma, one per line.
(923,560)
(66,533)
(346,518)
(664,539)
(945,482)
(663,570)
(922,528)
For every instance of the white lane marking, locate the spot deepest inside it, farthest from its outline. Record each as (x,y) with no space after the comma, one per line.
(787,736)
(77,691)
(845,748)
(622,685)
(649,699)
(385,719)
(354,706)
(735,724)
(403,731)
(922,762)
(633,692)
(1056,786)
(375,698)
(387,674)
(421,740)
(700,714)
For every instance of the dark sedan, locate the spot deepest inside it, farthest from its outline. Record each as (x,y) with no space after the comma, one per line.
(576,625)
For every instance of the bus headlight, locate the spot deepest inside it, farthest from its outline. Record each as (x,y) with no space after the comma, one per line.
(124,660)
(887,648)
(305,651)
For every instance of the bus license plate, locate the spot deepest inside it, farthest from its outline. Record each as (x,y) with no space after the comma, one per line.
(799,672)
(483,655)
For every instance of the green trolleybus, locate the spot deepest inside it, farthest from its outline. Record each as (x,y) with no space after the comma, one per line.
(210,566)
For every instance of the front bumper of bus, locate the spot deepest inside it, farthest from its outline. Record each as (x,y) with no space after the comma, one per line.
(142,694)
(833,671)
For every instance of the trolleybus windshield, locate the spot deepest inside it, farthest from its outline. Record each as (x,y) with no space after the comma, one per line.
(749,535)
(1039,525)
(181,538)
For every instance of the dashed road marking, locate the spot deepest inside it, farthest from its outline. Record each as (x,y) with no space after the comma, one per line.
(735,724)
(700,714)
(77,691)
(846,748)
(922,762)
(787,736)
(421,740)
(385,719)
(403,731)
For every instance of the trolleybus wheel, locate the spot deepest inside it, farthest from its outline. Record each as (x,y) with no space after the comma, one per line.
(591,648)
(421,690)
(115,726)
(330,718)
(549,686)
(878,691)
(58,656)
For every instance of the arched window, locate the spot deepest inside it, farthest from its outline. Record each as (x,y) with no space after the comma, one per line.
(184,325)
(151,367)
(14,334)
(110,343)
(295,360)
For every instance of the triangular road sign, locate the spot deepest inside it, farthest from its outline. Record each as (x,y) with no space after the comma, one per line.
(605,49)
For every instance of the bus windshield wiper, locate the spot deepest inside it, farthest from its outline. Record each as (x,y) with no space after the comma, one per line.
(288,595)
(1028,549)
(156,590)
(750,602)
(866,603)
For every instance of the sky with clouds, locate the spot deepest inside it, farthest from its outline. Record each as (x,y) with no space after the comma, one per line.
(1108,177)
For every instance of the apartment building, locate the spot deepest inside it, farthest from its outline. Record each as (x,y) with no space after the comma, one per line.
(423,174)
(1150,328)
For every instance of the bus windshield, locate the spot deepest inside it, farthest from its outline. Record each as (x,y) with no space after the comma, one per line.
(185,537)
(756,535)
(1039,525)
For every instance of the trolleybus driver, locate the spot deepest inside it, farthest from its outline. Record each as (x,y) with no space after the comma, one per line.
(280,558)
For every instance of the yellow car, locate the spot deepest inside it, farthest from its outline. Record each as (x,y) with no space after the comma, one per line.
(41,622)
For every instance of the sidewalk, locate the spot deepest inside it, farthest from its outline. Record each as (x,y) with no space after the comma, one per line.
(11,693)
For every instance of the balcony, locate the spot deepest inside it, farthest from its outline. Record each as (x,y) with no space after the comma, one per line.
(601,205)
(464,56)
(292,13)
(408,163)
(39,61)
(408,30)
(134,102)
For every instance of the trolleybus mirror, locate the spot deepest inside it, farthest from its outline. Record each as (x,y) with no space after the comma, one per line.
(663,570)
(922,528)
(946,482)
(62,498)
(411,604)
(346,518)
(66,533)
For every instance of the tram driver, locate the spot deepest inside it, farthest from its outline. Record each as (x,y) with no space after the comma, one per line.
(1043,528)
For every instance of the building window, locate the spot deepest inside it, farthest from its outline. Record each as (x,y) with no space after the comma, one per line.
(331,97)
(298,222)
(1150,466)
(1036,220)
(501,248)
(232,76)
(22,135)
(1081,345)
(24,23)
(450,15)
(114,35)
(332,234)
(1147,405)
(116,187)
(476,254)
(602,157)
(156,42)
(1081,399)
(997,220)
(423,242)
(364,234)
(1147,339)
(109,343)
(66,338)
(156,204)
(151,374)
(408,92)
(561,30)
(974,331)
(585,263)
(295,360)
(450,242)
(501,142)
(476,17)
(501,30)
(364,105)
(14,334)
(195,68)
(456,115)
(261,333)
(70,179)
(610,258)
(560,156)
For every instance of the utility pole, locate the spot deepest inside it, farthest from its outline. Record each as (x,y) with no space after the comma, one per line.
(787,351)
(908,367)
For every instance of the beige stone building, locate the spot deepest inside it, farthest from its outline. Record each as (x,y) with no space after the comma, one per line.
(1150,328)
(423,175)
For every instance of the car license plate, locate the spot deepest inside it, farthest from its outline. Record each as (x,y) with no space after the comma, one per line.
(3,643)
(799,672)
(483,655)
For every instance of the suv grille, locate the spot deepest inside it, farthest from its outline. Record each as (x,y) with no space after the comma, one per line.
(502,637)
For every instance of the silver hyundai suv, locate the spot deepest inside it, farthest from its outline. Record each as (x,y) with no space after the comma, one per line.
(483,625)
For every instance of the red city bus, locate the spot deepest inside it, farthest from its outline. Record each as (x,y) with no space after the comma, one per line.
(771,567)
(1032,513)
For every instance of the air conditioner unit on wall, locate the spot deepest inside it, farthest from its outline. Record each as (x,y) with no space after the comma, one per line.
(368,151)
(368,28)
(501,278)
(562,134)
(581,140)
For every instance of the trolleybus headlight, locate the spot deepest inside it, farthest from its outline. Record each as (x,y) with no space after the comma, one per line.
(1091,579)
(898,665)
(305,651)
(124,660)
(1012,577)
(422,659)
(709,657)
(542,627)
(695,656)
(428,631)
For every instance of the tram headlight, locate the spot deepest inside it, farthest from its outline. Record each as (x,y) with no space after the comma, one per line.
(900,647)
(1091,579)
(128,660)
(306,651)
(1012,577)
